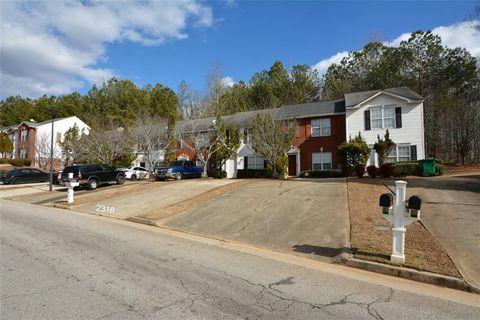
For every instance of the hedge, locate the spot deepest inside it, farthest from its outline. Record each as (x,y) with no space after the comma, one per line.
(321,174)
(253,173)
(402,169)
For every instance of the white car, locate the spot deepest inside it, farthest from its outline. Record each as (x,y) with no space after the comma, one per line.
(136,173)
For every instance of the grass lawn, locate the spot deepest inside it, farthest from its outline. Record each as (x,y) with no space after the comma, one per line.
(422,250)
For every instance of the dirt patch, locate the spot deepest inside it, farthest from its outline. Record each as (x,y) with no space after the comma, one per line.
(460,170)
(422,250)
(165,212)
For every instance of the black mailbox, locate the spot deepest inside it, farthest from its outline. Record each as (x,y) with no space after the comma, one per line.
(414,202)
(413,206)
(386,202)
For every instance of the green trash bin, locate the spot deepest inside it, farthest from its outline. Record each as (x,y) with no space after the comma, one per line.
(427,167)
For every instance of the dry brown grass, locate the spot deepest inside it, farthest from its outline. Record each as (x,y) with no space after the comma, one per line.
(422,250)
(458,169)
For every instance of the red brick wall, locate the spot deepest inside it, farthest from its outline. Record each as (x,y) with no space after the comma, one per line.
(29,144)
(308,144)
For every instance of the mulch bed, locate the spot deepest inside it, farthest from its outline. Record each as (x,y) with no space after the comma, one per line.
(422,251)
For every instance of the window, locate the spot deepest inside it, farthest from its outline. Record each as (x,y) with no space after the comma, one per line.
(383,117)
(24,135)
(322,161)
(23,153)
(202,139)
(255,162)
(392,156)
(321,127)
(247,135)
(400,153)
(404,153)
(389,117)
(376,117)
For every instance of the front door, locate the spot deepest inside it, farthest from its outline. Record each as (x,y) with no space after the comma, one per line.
(292,165)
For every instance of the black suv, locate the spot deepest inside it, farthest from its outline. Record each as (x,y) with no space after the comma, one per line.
(93,175)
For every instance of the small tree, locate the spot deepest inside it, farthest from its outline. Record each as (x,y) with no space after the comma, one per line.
(150,135)
(203,143)
(42,151)
(272,139)
(353,153)
(383,147)
(6,145)
(228,143)
(72,145)
(107,142)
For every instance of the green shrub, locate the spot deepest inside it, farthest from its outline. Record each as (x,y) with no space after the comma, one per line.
(402,169)
(372,171)
(360,170)
(386,170)
(321,174)
(4,161)
(440,169)
(253,173)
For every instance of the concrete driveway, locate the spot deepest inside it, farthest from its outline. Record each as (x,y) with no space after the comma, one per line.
(451,212)
(297,216)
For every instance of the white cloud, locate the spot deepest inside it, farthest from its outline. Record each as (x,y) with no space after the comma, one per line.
(228,81)
(323,65)
(54,47)
(460,34)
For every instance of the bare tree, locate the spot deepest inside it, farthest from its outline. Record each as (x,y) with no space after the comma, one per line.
(107,142)
(272,138)
(42,151)
(150,135)
(203,142)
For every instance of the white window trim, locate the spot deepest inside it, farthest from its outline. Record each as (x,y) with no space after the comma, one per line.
(321,127)
(382,109)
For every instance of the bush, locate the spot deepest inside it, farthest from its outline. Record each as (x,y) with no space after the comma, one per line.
(217,174)
(386,170)
(372,171)
(20,162)
(402,169)
(253,173)
(440,169)
(321,174)
(359,170)
(4,161)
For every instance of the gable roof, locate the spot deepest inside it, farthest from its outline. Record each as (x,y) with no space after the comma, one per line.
(355,98)
(311,109)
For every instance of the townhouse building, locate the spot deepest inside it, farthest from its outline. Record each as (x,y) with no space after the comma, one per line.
(324,125)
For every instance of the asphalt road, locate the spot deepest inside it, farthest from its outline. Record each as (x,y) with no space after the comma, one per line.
(57,264)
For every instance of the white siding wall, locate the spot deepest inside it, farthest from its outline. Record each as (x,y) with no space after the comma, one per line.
(412,123)
(60,126)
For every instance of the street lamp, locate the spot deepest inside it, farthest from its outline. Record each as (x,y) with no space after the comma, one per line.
(53,112)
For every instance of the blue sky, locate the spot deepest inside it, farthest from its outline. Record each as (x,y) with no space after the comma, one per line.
(167,42)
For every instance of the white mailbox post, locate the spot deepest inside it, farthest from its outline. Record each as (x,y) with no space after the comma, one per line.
(71,183)
(399,216)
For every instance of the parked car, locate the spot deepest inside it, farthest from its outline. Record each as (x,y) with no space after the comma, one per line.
(93,175)
(178,170)
(136,173)
(24,175)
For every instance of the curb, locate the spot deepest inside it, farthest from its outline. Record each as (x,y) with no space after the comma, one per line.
(347,259)
(149,222)
(407,273)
